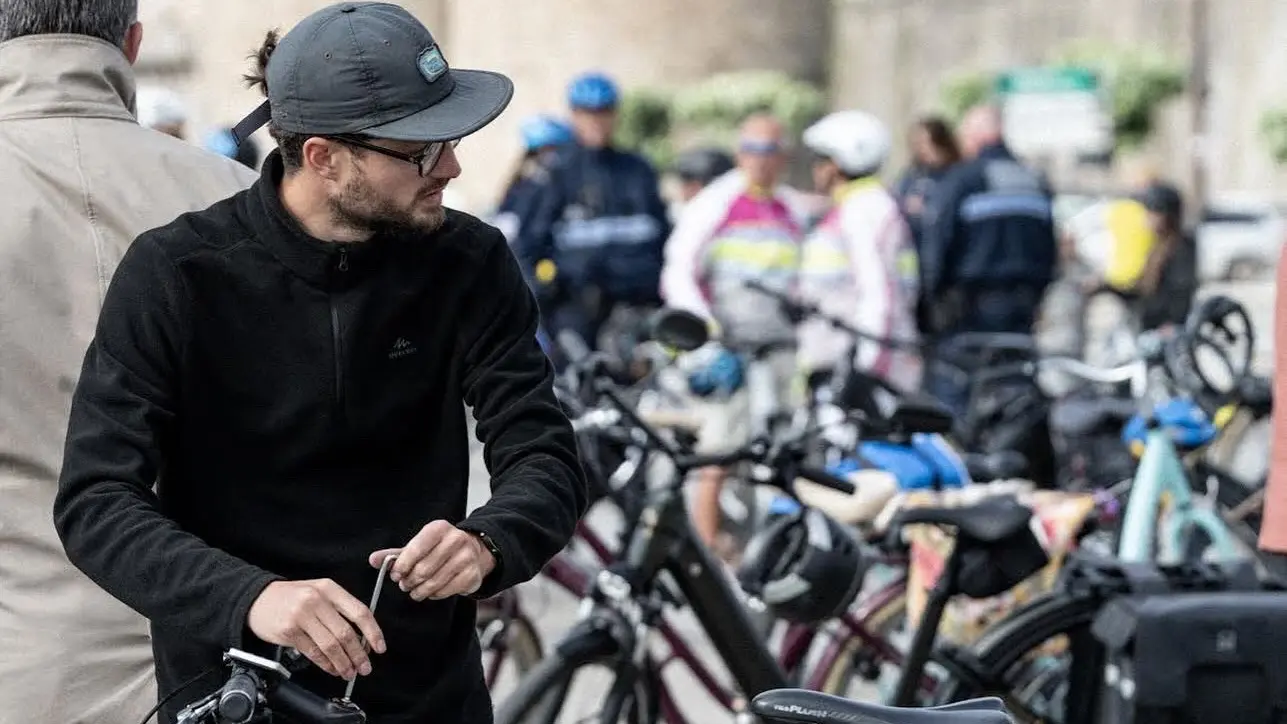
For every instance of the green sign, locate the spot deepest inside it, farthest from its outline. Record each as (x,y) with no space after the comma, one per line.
(1047,80)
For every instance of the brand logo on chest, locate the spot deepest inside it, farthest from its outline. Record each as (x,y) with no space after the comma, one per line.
(402,348)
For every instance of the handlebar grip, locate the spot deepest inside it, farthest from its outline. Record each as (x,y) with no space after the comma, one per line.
(822,477)
(238,698)
(306,707)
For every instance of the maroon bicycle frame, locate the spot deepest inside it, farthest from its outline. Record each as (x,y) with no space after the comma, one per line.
(796,644)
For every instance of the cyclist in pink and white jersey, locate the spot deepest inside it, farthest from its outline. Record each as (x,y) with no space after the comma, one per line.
(859,263)
(743,226)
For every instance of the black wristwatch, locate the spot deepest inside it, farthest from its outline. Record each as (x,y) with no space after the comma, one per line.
(491,547)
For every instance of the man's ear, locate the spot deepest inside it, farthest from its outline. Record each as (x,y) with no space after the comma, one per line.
(321,155)
(133,41)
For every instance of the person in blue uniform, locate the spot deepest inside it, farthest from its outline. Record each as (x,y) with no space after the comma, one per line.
(543,135)
(596,229)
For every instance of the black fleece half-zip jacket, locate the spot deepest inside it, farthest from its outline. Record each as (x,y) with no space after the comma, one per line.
(299,405)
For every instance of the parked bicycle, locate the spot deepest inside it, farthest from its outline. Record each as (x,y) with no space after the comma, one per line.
(628,599)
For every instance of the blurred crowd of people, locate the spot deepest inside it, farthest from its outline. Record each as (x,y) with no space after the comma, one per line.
(964,241)
(161,109)
(966,238)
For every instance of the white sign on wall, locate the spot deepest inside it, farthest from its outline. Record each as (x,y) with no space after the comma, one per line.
(1052,110)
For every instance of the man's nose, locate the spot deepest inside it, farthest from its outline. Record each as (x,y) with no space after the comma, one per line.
(448,166)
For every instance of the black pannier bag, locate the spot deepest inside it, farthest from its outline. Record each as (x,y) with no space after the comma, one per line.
(1194,658)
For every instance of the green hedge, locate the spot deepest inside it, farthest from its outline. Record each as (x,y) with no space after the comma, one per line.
(654,121)
(1138,81)
(1273,131)
(963,90)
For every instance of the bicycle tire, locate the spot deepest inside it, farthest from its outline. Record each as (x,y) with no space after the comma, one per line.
(555,672)
(520,645)
(995,654)
(879,623)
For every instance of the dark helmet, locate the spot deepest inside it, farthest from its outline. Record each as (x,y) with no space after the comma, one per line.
(1163,198)
(804,566)
(702,164)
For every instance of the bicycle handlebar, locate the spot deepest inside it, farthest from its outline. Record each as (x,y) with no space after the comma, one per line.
(1133,371)
(758,451)
(255,680)
(798,309)
(238,697)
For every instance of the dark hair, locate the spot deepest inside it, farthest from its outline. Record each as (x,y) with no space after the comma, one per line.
(291,145)
(522,169)
(103,19)
(940,136)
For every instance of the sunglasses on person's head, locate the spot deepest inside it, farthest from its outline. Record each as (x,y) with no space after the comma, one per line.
(424,160)
(759,148)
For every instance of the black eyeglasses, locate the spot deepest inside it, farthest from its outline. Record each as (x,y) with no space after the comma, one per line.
(424,160)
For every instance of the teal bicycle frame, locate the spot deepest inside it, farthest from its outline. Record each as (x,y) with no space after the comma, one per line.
(1160,471)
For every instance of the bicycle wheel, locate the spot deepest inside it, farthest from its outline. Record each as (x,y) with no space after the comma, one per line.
(1026,659)
(511,647)
(555,692)
(857,669)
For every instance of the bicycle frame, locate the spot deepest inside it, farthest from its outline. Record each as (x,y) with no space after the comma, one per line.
(1161,471)
(797,641)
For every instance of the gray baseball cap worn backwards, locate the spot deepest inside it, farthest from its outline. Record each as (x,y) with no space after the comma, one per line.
(373,69)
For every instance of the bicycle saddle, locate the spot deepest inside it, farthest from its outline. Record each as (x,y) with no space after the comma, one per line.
(990,521)
(999,465)
(798,706)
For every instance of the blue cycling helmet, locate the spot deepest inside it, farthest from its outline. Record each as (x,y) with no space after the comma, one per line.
(222,142)
(724,374)
(541,131)
(592,92)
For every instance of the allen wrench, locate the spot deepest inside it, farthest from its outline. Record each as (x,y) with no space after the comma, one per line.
(375,599)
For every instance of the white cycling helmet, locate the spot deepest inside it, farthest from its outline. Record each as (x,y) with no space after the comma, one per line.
(856,141)
(159,107)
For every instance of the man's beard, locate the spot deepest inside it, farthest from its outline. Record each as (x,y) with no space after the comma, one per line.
(359,206)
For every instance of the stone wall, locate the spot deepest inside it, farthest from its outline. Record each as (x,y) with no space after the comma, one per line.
(201,48)
(887,56)
(891,55)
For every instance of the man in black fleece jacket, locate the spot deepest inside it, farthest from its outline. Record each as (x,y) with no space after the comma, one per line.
(290,367)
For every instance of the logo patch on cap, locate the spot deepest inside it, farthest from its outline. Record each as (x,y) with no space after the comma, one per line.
(431,63)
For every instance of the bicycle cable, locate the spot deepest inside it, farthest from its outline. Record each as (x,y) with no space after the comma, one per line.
(179,690)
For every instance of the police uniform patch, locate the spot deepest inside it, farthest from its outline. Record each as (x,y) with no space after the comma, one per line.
(431,63)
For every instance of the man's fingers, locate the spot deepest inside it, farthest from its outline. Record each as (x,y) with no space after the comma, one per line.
(313,652)
(356,612)
(462,584)
(434,564)
(418,547)
(347,636)
(331,649)
(377,559)
(440,585)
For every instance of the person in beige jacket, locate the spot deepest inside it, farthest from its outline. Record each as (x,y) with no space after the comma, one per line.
(79,180)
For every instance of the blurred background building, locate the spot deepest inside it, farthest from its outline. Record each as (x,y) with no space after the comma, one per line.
(1188,63)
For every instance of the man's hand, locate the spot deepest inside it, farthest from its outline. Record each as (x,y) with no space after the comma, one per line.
(317,617)
(439,562)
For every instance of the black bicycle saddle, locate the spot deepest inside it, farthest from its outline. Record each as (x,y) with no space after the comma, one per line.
(799,706)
